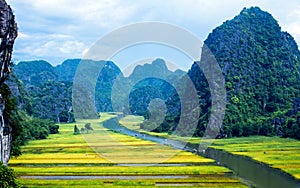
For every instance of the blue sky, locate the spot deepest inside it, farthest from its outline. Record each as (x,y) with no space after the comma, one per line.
(55,30)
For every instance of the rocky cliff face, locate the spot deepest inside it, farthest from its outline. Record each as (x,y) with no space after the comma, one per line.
(50,88)
(260,64)
(8,34)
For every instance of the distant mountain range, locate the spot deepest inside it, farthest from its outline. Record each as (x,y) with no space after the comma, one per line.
(50,88)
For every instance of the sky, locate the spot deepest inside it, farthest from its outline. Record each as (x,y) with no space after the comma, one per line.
(55,30)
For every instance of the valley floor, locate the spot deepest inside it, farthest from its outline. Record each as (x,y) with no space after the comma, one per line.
(105,158)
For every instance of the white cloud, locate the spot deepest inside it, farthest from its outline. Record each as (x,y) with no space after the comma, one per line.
(294,28)
(72,47)
(67,27)
(52,45)
(104,13)
(22,35)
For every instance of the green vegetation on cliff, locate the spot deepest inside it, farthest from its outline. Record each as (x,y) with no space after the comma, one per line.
(49,88)
(261,66)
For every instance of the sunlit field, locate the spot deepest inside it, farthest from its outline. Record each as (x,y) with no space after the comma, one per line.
(282,153)
(132,122)
(208,182)
(277,152)
(106,156)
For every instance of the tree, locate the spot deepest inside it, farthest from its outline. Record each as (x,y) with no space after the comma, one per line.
(76,130)
(88,127)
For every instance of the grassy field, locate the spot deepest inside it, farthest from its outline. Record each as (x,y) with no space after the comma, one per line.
(277,152)
(100,153)
(132,122)
(121,170)
(208,182)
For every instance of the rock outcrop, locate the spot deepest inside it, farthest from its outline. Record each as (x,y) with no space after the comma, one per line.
(8,34)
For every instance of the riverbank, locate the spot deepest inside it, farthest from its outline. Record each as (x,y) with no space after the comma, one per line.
(281,154)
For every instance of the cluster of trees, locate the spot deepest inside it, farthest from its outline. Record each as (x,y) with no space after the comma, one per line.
(37,129)
(87,127)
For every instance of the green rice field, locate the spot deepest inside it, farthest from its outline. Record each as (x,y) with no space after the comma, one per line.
(102,158)
(281,153)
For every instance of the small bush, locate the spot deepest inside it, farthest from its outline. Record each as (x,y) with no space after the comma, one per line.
(8,178)
(53,128)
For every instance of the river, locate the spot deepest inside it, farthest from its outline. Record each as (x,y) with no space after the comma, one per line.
(259,174)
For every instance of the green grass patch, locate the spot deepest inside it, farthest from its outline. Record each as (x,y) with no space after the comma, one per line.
(131,122)
(120,170)
(208,181)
